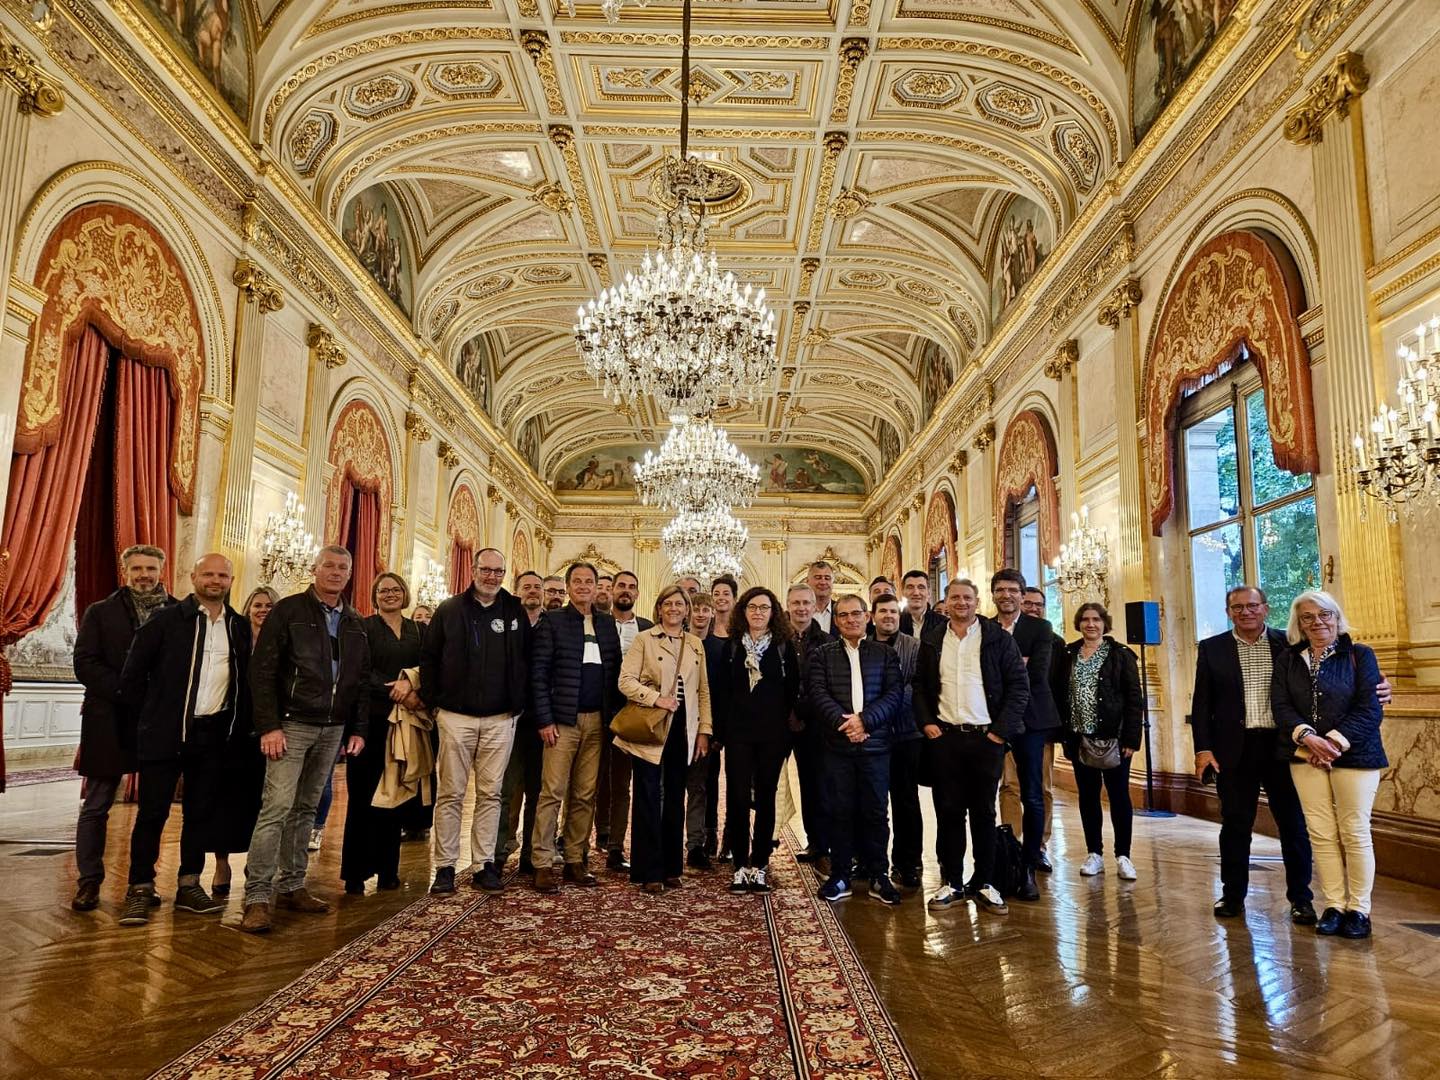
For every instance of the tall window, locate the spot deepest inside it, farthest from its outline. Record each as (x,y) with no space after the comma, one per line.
(1022,544)
(1247,519)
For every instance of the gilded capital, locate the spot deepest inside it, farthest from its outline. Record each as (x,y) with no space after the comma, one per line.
(448,455)
(38,91)
(960,462)
(985,437)
(493,494)
(774,547)
(258,286)
(917,501)
(416,427)
(1342,83)
(1124,299)
(1064,360)
(327,350)
(646,544)
(544,539)
(552,197)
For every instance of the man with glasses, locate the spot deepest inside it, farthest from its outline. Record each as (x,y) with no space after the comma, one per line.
(1033,603)
(474,674)
(521,788)
(554,589)
(612,788)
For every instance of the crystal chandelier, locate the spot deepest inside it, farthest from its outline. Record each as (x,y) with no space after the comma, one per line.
(1084,561)
(680,329)
(433,587)
(705,543)
(697,467)
(287,549)
(610,8)
(1399,465)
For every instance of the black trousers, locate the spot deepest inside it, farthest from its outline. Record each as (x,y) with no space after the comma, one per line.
(966,767)
(1239,789)
(201,762)
(712,799)
(857,785)
(657,809)
(810,763)
(1122,815)
(751,766)
(909,839)
(372,834)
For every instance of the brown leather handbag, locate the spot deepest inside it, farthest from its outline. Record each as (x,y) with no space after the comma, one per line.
(644,725)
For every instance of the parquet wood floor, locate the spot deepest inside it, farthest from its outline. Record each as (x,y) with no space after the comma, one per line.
(1100,979)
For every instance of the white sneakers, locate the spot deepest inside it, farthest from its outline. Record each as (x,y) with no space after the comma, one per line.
(740,883)
(1125,868)
(316,835)
(1093,865)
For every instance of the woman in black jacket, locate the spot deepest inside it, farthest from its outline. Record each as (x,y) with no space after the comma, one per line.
(1102,733)
(1323,697)
(372,834)
(755,691)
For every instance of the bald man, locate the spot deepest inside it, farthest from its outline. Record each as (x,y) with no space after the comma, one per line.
(185,682)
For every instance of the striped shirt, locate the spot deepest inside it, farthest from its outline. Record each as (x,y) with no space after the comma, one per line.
(1256,664)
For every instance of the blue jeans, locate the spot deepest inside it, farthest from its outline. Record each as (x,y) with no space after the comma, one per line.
(278,856)
(1029,751)
(857,794)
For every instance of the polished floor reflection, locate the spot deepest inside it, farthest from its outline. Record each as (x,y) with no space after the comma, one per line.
(1101,978)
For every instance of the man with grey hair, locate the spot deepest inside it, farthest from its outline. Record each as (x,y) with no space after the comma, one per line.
(809,739)
(308,672)
(554,590)
(106,630)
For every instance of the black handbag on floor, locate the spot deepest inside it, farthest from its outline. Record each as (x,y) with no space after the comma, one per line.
(1009,862)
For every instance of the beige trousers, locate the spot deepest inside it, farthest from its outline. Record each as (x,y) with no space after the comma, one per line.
(481,744)
(1337,808)
(568,772)
(1011,812)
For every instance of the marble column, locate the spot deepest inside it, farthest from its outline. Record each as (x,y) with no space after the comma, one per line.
(495,534)
(325,356)
(259,296)
(417,433)
(772,566)
(982,458)
(1062,368)
(1130,574)
(1328,120)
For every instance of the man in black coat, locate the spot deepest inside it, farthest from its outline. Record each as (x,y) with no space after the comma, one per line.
(918,618)
(856,695)
(612,788)
(308,674)
(971,690)
(909,841)
(1035,639)
(574,681)
(474,676)
(185,682)
(1033,603)
(106,754)
(809,739)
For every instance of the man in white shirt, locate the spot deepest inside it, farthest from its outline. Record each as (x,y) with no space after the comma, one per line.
(917,616)
(970,693)
(821,579)
(612,788)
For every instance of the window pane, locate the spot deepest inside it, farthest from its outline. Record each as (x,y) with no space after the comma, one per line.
(1219,565)
(1267,480)
(1054,604)
(1212,480)
(1029,562)
(1287,544)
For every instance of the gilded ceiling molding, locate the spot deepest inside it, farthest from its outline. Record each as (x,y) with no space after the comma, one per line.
(651,40)
(1342,83)
(259,287)
(960,462)
(1117,253)
(1318,26)
(410,7)
(852,53)
(849,203)
(835,142)
(1124,299)
(326,349)
(809,267)
(1064,360)
(552,197)
(601,265)
(859,12)
(563,137)
(39,92)
(258,230)
(537,46)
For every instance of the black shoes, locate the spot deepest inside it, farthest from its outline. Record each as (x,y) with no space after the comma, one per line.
(487,880)
(354,888)
(1043,865)
(87,896)
(883,889)
(1355,924)
(389,884)
(444,881)
(616,861)
(1330,922)
(1027,889)
(698,860)
(906,879)
(1303,913)
(1231,909)
(804,855)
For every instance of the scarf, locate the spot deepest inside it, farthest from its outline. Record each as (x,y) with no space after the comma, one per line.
(754,652)
(147,603)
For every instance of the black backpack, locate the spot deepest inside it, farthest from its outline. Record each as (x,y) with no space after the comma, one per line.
(1009,862)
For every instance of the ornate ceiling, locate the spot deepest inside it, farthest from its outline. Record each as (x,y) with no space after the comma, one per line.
(877,154)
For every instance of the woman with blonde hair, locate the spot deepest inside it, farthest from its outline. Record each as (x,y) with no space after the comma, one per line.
(665,668)
(1323,698)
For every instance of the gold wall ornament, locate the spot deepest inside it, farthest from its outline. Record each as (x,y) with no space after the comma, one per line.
(1064,360)
(835,142)
(1116,252)
(917,501)
(536,44)
(416,426)
(462,522)
(327,349)
(258,230)
(985,437)
(903,515)
(852,53)
(647,545)
(774,547)
(1318,25)
(511,510)
(849,203)
(1343,82)
(493,496)
(38,91)
(563,137)
(552,197)
(809,267)
(448,455)
(960,462)
(1124,299)
(601,265)
(859,12)
(259,287)
(360,453)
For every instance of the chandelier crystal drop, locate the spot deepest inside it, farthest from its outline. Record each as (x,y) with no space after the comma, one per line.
(1084,562)
(698,467)
(434,586)
(1399,465)
(287,549)
(705,543)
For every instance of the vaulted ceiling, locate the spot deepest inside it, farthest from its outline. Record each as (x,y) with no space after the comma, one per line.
(873,153)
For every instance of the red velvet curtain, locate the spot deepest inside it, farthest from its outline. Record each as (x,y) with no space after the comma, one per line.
(95,548)
(360,535)
(462,565)
(44,503)
(145,507)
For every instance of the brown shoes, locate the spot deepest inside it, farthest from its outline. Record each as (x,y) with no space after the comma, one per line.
(654,888)
(545,880)
(301,900)
(673,883)
(257,919)
(576,874)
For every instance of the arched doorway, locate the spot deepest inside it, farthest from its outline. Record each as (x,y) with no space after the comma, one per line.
(357,515)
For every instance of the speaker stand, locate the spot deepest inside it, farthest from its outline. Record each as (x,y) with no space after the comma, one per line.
(1149,809)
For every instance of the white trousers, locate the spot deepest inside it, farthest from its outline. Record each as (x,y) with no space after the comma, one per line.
(1337,806)
(482,744)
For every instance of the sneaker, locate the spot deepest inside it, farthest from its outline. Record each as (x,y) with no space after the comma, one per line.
(883,889)
(1093,865)
(740,883)
(444,880)
(834,889)
(946,899)
(136,911)
(487,880)
(698,860)
(990,897)
(759,880)
(194,898)
(1125,868)
(316,835)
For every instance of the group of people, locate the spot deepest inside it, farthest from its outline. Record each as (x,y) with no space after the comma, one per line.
(574,719)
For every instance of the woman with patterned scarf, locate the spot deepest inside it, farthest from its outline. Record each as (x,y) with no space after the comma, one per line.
(1323,698)
(755,696)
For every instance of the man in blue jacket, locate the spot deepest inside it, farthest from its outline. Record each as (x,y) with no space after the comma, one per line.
(574,680)
(856,694)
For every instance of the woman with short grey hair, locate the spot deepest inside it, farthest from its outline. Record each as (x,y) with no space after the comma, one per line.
(1323,695)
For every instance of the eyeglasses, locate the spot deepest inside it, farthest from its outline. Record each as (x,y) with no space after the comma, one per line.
(1311,618)
(491,571)
(1246,607)
(390,592)
(758,608)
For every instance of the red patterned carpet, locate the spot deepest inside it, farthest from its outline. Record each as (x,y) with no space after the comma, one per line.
(606,982)
(26,777)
